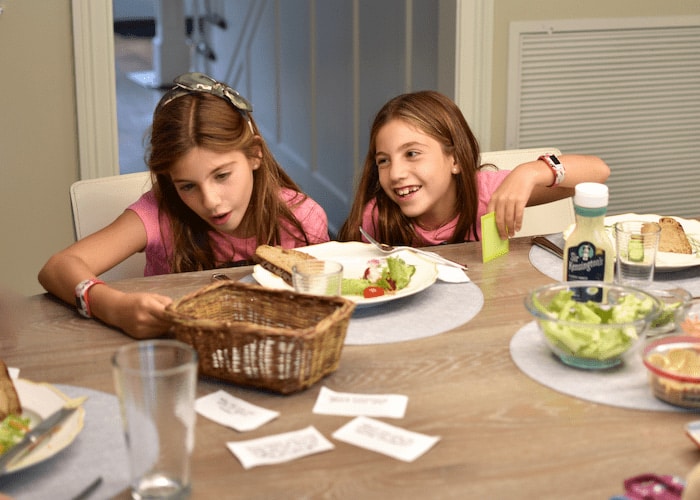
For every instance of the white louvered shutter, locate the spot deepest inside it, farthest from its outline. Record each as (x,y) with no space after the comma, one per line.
(626,90)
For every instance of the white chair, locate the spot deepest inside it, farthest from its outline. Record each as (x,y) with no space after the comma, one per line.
(548,218)
(97,202)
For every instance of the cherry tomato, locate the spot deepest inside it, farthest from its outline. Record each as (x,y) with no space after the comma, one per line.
(373,291)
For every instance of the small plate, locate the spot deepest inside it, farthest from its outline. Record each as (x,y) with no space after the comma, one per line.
(354,256)
(38,402)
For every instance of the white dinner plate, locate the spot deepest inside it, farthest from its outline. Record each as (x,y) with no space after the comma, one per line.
(354,256)
(38,402)
(666,261)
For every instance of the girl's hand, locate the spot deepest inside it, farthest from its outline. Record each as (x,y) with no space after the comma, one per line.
(139,315)
(509,202)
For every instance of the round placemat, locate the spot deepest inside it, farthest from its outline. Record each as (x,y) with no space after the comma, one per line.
(551,265)
(433,311)
(624,386)
(437,309)
(98,451)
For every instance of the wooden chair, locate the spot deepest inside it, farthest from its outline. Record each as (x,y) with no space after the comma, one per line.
(97,202)
(549,218)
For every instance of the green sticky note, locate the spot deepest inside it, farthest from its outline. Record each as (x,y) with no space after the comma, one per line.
(492,245)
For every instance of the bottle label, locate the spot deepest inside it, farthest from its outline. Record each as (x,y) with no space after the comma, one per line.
(585,262)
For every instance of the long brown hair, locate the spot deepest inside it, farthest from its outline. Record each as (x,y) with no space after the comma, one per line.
(210,122)
(439,117)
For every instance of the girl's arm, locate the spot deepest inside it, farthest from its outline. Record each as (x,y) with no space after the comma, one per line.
(528,185)
(141,315)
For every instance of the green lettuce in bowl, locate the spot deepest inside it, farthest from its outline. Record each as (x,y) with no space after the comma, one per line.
(592,324)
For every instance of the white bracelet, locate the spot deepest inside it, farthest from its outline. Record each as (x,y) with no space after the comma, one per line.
(82,300)
(557,168)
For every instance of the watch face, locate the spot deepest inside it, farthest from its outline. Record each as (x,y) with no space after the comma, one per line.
(555,159)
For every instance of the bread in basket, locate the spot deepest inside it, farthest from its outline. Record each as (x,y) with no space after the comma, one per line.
(277,340)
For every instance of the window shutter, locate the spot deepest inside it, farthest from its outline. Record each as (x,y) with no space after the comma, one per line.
(626,90)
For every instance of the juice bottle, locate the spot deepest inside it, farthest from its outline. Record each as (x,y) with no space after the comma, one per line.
(588,251)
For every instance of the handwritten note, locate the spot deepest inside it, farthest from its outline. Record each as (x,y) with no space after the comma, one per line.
(228,410)
(387,439)
(279,448)
(372,405)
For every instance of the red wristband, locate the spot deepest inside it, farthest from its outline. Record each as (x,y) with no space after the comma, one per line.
(82,299)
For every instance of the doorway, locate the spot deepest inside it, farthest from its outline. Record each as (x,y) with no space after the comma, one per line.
(134,29)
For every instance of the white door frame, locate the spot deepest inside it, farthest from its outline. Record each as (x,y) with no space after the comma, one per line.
(95,88)
(95,83)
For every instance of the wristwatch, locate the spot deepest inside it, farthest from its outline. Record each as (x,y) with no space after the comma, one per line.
(557,168)
(82,300)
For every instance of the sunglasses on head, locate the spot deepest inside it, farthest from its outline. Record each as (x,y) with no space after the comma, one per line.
(200,83)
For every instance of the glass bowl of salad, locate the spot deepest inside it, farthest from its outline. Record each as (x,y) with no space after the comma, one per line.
(592,325)
(675,302)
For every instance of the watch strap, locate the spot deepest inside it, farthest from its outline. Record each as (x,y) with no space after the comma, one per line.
(82,299)
(556,166)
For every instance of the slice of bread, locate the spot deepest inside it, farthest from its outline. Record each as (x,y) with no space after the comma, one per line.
(673,238)
(280,260)
(9,399)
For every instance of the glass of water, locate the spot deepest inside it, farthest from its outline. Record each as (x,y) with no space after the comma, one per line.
(636,245)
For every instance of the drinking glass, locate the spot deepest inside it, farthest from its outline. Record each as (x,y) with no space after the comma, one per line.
(317,277)
(155,381)
(636,245)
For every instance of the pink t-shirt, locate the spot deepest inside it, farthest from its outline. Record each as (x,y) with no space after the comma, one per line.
(487,181)
(159,245)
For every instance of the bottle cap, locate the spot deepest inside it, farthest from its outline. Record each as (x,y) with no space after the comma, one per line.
(591,195)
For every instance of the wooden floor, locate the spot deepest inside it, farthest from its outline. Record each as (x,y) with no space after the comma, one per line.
(135,102)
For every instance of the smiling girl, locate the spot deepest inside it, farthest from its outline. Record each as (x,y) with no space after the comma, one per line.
(217,194)
(422,183)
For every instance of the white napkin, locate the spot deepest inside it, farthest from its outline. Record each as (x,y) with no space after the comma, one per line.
(14,372)
(233,412)
(374,405)
(451,274)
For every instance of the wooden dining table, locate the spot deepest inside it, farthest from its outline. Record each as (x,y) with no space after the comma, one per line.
(502,434)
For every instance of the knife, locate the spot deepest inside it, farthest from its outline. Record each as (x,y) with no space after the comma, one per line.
(35,436)
(548,245)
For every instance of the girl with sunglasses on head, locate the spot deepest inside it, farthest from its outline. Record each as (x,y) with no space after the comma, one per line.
(217,194)
(422,183)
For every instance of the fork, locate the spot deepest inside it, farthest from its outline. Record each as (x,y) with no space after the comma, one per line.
(388,249)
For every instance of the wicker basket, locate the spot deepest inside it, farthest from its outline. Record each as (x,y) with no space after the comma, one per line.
(271,339)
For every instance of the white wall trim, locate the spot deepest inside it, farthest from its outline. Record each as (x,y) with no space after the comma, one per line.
(95,88)
(474,67)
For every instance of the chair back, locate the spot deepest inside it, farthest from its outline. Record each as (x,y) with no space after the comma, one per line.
(97,202)
(548,218)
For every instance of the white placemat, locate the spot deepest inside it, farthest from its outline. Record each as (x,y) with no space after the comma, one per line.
(436,310)
(552,266)
(624,386)
(98,450)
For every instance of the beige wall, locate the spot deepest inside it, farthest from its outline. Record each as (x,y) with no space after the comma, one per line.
(506,11)
(38,141)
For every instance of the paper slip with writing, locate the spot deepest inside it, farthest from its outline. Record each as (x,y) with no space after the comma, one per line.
(233,412)
(279,448)
(384,438)
(351,405)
